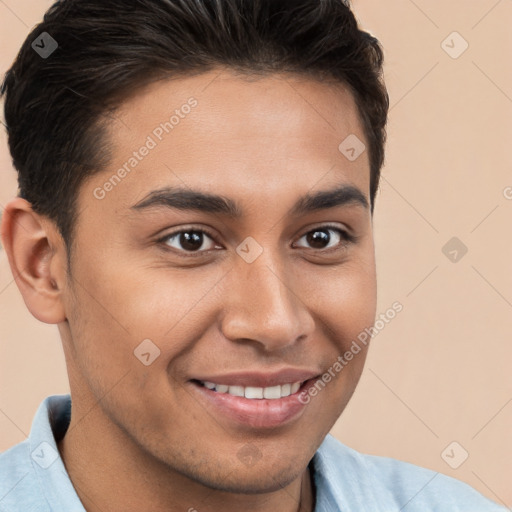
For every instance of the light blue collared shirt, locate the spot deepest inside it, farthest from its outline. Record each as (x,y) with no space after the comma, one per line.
(33,477)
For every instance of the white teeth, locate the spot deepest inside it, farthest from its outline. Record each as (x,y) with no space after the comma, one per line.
(236,390)
(252,393)
(272,392)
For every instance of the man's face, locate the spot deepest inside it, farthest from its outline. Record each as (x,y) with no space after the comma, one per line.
(270,296)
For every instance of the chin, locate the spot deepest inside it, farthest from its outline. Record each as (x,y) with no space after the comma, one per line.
(253,481)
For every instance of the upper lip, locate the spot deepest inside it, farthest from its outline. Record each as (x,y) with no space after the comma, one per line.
(260,379)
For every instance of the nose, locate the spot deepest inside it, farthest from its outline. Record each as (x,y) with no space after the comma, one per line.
(265,305)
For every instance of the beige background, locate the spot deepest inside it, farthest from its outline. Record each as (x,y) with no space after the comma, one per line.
(439,372)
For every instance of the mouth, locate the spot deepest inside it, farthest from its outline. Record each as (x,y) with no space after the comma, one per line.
(242,407)
(253,392)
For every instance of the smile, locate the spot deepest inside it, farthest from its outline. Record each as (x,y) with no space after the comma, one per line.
(254,393)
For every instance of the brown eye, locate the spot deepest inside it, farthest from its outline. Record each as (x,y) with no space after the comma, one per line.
(325,238)
(318,239)
(189,241)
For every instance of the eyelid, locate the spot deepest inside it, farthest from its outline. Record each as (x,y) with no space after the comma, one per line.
(345,233)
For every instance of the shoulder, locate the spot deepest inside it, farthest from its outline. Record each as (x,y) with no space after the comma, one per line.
(394,485)
(19,486)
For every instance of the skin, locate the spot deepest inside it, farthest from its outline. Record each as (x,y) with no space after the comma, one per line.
(262,143)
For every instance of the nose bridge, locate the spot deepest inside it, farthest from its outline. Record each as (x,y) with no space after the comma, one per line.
(263,304)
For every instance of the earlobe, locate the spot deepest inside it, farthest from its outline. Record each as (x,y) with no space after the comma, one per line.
(35,256)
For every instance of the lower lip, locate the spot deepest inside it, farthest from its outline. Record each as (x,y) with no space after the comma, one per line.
(255,413)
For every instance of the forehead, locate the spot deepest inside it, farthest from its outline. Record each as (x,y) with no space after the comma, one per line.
(238,133)
(250,101)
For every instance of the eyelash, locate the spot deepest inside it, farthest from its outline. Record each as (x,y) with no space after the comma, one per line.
(345,235)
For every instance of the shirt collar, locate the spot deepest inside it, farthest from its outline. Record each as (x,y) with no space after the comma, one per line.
(50,423)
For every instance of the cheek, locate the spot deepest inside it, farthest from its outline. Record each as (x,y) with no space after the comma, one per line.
(344,305)
(344,299)
(119,306)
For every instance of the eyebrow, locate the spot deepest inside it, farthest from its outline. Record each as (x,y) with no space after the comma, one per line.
(187,199)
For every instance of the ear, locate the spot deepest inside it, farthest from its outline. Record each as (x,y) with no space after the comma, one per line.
(37,257)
